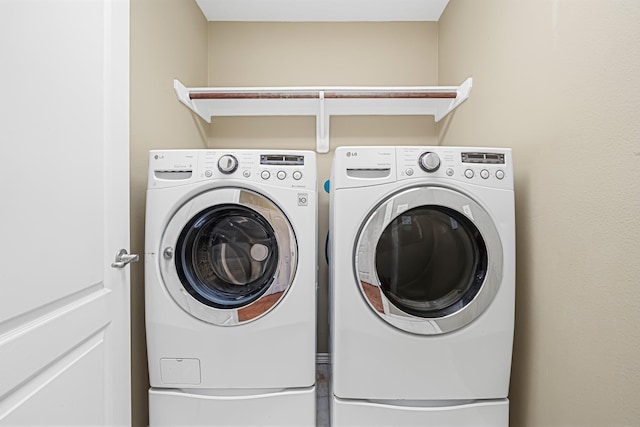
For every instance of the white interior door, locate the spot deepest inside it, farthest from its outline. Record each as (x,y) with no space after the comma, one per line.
(64,212)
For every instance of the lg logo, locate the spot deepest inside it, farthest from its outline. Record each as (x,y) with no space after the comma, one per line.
(351,154)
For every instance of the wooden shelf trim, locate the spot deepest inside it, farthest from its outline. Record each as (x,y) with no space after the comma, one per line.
(327,95)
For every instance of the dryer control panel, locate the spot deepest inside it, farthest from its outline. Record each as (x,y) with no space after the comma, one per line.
(366,166)
(489,167)
(283,168)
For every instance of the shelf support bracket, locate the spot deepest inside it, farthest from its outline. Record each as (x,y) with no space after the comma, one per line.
(183,95)
(463,92)
(322,126)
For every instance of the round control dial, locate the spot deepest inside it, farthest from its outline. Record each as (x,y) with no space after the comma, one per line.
(227,164)
(429,161)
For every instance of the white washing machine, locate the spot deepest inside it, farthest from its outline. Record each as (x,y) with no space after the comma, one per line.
(230,287)
(422,282)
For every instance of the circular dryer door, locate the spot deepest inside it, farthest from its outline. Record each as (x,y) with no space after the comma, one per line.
(428,260)
(228,256)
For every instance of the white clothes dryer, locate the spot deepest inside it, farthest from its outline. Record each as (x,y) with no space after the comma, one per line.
(422,284)
(230,287)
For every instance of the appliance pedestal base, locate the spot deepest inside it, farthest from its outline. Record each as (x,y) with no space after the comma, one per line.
(477,413)
(184,408)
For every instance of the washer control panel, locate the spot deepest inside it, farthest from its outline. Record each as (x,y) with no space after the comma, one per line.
(292,169)
(280,168)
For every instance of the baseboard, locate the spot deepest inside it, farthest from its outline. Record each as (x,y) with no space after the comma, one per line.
(323,358)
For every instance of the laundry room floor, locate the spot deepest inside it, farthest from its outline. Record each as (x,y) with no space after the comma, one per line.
(322,394)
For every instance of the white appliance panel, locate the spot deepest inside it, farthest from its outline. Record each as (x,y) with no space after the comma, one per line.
(192,353)
(372,358)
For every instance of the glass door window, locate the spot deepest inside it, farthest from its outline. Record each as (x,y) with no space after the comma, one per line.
(428,260)
(227,256)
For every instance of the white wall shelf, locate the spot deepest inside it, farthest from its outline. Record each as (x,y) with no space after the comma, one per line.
(322,10)
(323,102)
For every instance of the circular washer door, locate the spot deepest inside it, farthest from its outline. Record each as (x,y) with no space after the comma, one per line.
(228,256)
(428,260)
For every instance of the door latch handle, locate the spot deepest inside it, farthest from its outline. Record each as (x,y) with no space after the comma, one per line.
(123,258)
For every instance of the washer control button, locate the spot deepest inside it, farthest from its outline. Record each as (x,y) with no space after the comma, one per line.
(227,164)
(265,174)
(281,175)
(484,174)
(208,173)
(468,173)
(499,174)
(409,171)
(297,175)
(449,172)
(246,173)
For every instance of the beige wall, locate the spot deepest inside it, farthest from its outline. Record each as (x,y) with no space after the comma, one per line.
(322,54)
(168,40)
(559,82)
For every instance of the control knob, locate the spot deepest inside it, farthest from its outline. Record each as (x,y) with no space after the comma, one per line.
(227,164)
(429,161)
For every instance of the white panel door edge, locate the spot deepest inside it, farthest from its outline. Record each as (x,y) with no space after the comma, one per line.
(64,186)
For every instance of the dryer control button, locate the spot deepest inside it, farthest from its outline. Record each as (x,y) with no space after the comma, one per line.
(297,175)
(208,173)
(409,171)
(449,172)
(265,175)
(468,173)
(499,174)
(281,175)
(246,173)
(484,173)
(429,161)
